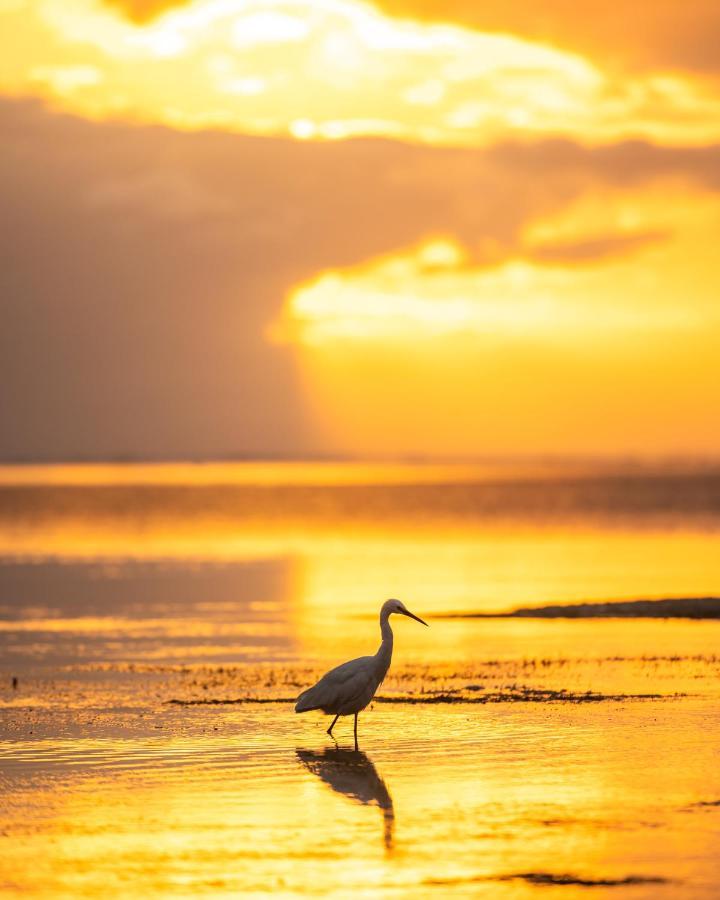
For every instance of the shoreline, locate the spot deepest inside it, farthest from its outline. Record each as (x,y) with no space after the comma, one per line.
(667,608)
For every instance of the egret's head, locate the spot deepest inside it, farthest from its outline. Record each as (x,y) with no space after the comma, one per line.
(397,606)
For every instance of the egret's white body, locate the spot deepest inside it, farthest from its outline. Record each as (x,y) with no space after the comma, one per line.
(347,689)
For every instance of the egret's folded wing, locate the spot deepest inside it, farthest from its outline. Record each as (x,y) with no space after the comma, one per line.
(358,690)
(338,686)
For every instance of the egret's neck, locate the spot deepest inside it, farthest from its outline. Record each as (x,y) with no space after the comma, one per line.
(385,651)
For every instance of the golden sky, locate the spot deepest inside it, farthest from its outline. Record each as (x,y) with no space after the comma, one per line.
(329,226)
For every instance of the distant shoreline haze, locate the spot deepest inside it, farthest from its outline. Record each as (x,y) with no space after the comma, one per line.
(347,470)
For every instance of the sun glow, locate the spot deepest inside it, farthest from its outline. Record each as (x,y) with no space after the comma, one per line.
(341,66)
(441,288)
(595,307)
(525,267)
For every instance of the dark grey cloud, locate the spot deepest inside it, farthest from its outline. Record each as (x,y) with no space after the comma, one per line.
(623,164)
(140,267)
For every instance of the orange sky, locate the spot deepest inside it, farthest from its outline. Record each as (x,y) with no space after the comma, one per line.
(323,226)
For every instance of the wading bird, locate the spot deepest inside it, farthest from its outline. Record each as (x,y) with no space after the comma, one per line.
(347,689)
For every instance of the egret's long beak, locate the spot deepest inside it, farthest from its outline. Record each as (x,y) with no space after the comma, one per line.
(406,612)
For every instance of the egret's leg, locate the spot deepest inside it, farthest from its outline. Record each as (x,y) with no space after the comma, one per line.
(356,743)
(329,731)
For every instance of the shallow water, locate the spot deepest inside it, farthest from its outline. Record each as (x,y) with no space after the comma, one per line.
(457,801)
(160,620)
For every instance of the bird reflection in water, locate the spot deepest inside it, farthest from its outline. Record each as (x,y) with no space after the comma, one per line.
(352,773)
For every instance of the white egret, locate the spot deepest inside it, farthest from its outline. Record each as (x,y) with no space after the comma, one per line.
(347,689)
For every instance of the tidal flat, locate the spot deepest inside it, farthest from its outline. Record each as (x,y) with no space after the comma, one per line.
(154,632)
(167,781)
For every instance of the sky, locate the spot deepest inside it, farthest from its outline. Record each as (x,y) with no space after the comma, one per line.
(410,229)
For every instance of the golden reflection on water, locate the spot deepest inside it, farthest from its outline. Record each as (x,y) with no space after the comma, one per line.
(345,537)
(467,800)
(335,582)
(447,568)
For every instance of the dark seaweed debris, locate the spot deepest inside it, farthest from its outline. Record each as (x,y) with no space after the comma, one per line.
(523,695)
(548,878)
(552,879)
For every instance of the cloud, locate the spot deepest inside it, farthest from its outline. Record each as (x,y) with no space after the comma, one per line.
(141,267)
(341,68)
(624,163)
(594,248)
(143,10)
(674,35)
